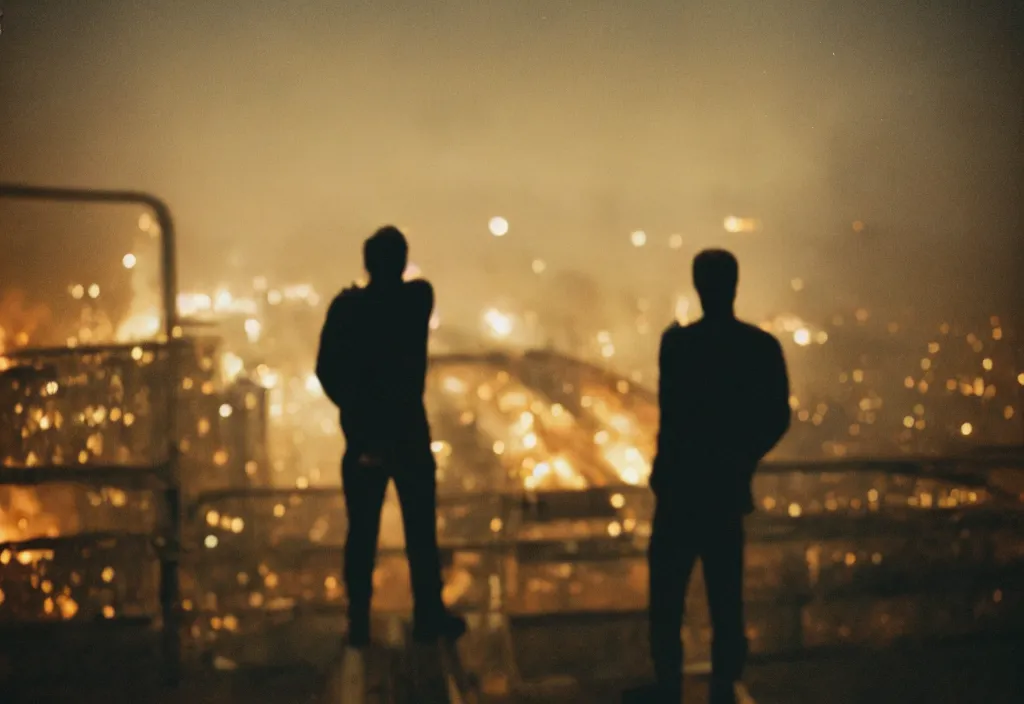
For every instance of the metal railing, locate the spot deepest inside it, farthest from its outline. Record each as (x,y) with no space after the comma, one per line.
(160,476)
(942,555)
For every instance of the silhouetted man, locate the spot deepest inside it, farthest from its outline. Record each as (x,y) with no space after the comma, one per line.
(372,364)
(724,396)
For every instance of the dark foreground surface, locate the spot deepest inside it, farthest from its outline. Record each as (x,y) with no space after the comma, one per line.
(963,672)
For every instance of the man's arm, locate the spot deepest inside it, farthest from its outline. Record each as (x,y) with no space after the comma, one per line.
(422,307)
(775,412)
(422,293)
(668,389)
(333,356)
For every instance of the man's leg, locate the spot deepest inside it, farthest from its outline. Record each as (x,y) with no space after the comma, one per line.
(417,492)
(670,556)
(364,489)
(722,557)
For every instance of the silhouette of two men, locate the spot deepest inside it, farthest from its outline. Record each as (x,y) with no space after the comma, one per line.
(724,397)
(372,364)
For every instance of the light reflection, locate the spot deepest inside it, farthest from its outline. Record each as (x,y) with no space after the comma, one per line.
(498,226)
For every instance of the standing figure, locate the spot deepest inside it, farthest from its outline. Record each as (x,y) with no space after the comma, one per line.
(724,396)
(372,364)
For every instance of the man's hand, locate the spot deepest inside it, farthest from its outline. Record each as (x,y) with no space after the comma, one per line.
(370,460)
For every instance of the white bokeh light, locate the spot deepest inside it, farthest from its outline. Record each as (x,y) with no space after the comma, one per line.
(498,226)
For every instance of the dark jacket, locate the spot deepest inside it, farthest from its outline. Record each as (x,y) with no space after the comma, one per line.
(724,397)
(372,364)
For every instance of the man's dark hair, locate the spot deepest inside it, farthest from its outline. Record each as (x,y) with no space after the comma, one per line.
(386,253)
(715,276)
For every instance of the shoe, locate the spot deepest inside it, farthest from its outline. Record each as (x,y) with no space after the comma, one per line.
(449,626)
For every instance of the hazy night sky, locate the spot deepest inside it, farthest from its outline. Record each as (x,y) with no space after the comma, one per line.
(282,132)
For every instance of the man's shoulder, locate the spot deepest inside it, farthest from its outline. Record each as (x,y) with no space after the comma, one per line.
(413,295)
(745,332)
(674,331)
(420,288)
(755,332)
(758,337)
(347,297)
(679,332)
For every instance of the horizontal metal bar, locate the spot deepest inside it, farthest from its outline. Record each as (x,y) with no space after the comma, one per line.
(123,477)
(601,549)
(817,653)
(765,600)
(443,499)
(17,190)
(265,492)
(49,629)
(74,539)
(943,471)
(218,557)
(28,353)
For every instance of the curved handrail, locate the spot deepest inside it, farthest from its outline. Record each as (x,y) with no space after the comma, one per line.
(169,588)
(159,207)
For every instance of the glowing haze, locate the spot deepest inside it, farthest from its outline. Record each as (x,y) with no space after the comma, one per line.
(283,132)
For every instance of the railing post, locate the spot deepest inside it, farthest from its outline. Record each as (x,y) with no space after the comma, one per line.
(170,585)
(170,563)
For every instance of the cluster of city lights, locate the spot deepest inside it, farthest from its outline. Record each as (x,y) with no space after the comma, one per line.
(536,436)
(507,325)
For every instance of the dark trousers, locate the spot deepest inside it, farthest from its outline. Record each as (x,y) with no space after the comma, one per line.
(364,498)
(680,534)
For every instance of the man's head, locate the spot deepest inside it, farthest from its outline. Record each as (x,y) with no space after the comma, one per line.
(715,276)
(385,254)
